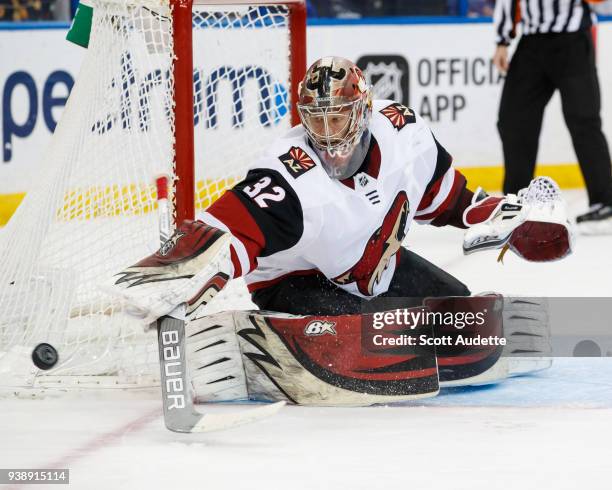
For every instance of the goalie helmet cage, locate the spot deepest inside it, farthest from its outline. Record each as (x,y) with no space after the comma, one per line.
(193,89)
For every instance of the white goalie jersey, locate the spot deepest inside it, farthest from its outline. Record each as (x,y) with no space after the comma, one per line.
(289,217)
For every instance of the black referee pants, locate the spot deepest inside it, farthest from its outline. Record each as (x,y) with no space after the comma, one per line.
(542,64)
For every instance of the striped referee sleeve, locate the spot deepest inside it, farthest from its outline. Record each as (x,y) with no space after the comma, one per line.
(540,17)
(505,18)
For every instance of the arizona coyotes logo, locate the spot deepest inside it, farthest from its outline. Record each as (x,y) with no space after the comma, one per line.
(399,115)
(169,244)
(297,161)
(322,77)
(380,249)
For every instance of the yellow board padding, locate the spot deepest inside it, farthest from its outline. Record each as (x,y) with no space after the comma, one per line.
(207,192)
(568,176)
(8,205)
(115,200)
(107,201)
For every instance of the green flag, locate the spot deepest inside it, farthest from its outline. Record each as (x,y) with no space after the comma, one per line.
(81,25)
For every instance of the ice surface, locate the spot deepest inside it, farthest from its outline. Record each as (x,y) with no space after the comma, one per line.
(552,430)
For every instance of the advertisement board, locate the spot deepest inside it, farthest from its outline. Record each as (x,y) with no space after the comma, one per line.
(442,71)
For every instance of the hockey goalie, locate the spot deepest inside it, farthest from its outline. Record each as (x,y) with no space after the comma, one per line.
(316,230)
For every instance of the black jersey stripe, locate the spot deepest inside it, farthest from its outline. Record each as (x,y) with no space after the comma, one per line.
(281,221)
(514,9)
(586,22)
(443,163)
(555,8)
(541,17)
(570,14)
(529,20)
(501,27)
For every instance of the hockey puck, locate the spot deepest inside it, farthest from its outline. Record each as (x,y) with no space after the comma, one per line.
(44,356)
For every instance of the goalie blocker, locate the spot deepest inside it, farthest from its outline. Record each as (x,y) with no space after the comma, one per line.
(324,360)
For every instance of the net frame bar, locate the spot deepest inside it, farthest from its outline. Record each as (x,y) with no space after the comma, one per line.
(184,150)
(184,195)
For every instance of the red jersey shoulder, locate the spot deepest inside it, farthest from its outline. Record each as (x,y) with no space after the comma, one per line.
(399,115)
(297,161)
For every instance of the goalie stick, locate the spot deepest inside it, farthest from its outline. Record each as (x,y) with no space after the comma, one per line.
(180,414)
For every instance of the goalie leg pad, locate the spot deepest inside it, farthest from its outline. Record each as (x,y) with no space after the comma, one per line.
(527,331)
(523,322)
(321,361)
(460,364)
(316,360)
(307,360)
(214,360)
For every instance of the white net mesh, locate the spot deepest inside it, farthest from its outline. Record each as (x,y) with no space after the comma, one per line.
(541,190)
(91,210)
(238,97)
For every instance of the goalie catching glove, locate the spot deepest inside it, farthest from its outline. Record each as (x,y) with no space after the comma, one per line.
(533,224)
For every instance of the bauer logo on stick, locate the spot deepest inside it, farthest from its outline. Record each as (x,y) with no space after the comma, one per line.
(173,366)
(297,161)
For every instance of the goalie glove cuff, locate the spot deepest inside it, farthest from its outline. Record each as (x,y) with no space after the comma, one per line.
(484,208)
(490,220)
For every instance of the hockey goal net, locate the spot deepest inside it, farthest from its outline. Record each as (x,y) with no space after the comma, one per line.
(188,88)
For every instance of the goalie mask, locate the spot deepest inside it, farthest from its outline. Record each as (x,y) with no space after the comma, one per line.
(335,105)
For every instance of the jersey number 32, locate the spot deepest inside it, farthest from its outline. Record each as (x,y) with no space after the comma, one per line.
(261,192)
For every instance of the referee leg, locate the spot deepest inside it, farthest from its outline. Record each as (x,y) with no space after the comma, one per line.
(580,98)
(526,92)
